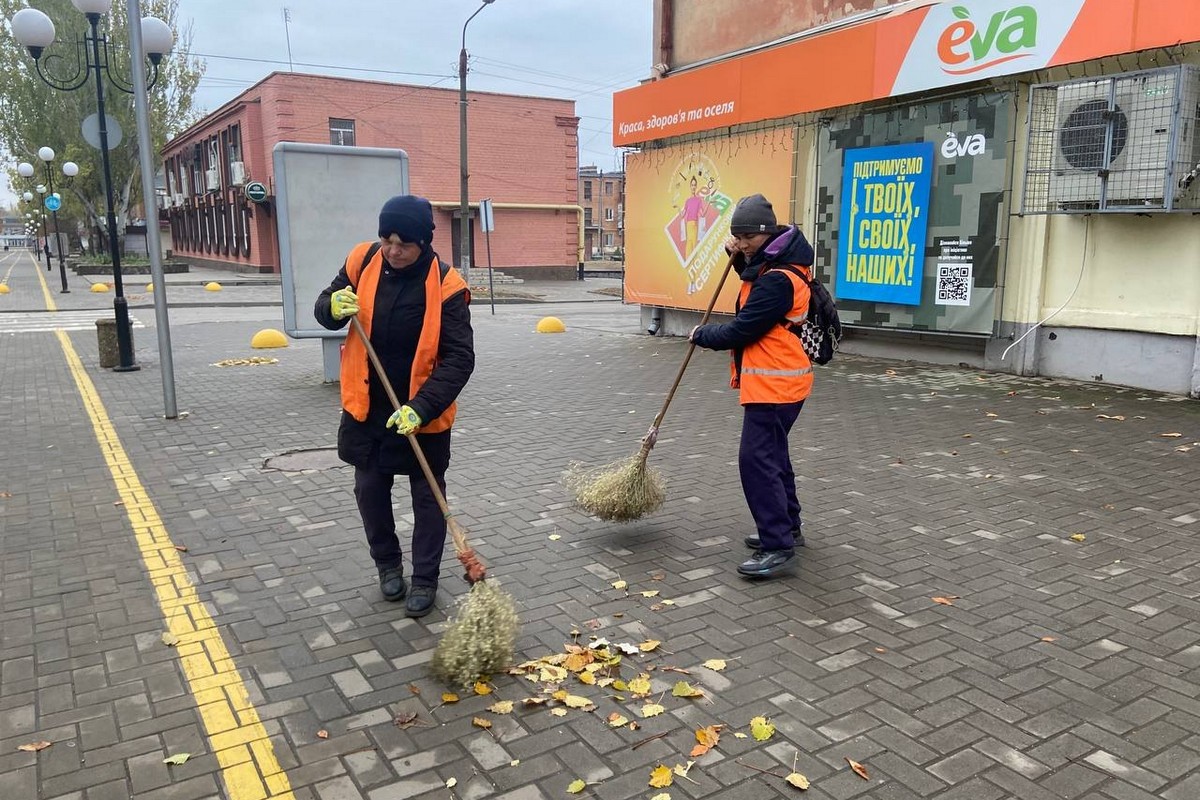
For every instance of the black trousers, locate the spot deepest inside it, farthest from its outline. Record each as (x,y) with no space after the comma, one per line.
(765,465)
(373,491)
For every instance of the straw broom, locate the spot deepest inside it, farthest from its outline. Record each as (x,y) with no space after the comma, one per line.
(480,638)
(627,489)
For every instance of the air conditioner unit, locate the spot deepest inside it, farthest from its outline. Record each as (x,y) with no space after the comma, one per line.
(1123,138)
(179,198)
(212,179)
(237,173)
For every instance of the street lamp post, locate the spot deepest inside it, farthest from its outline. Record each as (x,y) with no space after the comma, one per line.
(464,227)
(70,169)
(25,170)
(35,31)
(41,212)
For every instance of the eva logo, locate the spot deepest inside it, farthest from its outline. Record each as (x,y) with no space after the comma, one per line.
(972,145)
(965,47)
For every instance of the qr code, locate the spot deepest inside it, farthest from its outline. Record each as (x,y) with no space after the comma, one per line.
(954,284)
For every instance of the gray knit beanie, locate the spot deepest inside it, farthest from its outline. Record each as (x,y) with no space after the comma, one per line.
(753,214)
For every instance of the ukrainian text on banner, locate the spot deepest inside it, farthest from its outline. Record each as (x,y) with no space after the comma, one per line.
(885,211)
(678,203)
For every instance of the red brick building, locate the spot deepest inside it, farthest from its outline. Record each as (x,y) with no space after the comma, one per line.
(602,195)
(523,155)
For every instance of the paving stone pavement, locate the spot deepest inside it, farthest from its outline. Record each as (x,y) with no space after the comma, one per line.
(1062,669)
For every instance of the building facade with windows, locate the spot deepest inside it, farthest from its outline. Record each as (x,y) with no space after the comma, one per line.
(523,151)
(602,196)
(1010,185)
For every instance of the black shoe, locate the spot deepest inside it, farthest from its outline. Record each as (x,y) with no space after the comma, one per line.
(754,543)
(420,601)
(766,563)
(391,583)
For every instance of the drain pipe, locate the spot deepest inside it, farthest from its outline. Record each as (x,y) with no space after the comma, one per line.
(655,321)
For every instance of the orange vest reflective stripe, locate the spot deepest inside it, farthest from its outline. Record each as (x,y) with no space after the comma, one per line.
(355,373)
(775,369)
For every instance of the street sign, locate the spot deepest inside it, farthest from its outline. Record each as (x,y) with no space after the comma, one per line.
(91,131)
(487,222)
(53,203)
(256,191)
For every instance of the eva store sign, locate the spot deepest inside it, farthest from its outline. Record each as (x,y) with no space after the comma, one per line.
(967,46)
(969,41)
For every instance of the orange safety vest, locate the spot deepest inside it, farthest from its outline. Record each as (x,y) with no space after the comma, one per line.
(355,373)
(775,369)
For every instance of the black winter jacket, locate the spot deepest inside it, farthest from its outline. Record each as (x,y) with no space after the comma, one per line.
(770,297)
(396,324)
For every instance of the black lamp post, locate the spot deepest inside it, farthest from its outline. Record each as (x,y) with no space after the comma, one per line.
(25,170)
(70,169)
(35,31)
(464,228)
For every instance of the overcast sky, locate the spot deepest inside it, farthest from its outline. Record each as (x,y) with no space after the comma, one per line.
(581,50)
(576,49)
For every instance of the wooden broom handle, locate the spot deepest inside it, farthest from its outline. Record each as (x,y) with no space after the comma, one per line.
(652,436)
(456,533)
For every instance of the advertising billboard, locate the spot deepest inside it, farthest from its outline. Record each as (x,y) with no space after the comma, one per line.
(678,204)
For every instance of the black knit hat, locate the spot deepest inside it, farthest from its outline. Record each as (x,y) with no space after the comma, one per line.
(409,217)
(753,214)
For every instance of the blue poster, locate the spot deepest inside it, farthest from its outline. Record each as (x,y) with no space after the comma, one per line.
(885,212)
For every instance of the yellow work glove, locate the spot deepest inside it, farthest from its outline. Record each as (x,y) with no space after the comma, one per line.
(405,420)
(343,303)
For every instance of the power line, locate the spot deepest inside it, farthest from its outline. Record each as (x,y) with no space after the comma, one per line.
(318,66)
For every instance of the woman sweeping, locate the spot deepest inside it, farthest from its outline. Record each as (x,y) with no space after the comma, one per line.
(415,310)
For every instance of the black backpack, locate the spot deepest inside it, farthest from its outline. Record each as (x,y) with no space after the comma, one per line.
(821,332)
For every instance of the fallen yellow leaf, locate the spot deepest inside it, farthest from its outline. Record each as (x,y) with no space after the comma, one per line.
(501,707)
(639,686)
(715,664)
(322,734)
(480,722)
(620,585)
(651,593)
(554,537)
(575,701)
(761,729)
(576,786)
(685,689)
(1078,537)
(482,688)
(558,712)
(681,770)
(451,783)
(661,796)
(858,768)
(588,678)
(945,601)
(449,697)
(706,739)
(1048,639)
(661,777)
(616,720)
(34,747)
(169,639)
(652,710)
(649,645)
(798,780)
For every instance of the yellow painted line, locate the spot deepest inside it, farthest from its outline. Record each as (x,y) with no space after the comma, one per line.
(49,298)
(236,735)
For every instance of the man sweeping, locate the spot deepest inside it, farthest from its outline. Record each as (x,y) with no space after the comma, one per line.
(771,372)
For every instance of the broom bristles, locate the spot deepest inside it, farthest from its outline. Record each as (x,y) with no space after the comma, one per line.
(480,639)
(619,492)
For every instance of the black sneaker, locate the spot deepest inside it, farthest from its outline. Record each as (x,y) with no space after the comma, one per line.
(767,563)
(754,543)
(420,601)
(391,583)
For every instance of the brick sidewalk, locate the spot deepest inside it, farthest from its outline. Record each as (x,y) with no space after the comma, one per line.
(1064,669)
